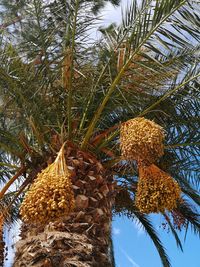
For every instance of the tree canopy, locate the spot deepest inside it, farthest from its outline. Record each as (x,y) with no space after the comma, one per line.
(58,83)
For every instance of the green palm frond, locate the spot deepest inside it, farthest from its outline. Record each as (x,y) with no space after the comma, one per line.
(144,220)
(174,233)
(164,15)
(191,213)
(154,237)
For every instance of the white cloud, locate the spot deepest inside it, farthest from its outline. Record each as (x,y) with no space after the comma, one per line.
(116,231)
(111,14)
(134,264)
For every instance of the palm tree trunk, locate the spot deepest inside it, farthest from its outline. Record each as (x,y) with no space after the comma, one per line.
(58,248)
(2,243)
(81,239)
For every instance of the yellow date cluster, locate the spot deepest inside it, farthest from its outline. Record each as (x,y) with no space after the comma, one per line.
(156,191)
(49,197)
(141,139)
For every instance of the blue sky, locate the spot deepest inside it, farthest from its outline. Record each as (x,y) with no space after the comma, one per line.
(134,248)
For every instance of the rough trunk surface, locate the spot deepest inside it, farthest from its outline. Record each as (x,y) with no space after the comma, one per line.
(2,243)
(82,238)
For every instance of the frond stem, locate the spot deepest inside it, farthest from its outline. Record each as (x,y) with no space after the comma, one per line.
(102,72)
(11,181)
(69,100)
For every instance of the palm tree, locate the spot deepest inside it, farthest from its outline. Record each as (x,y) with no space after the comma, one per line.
(59,86)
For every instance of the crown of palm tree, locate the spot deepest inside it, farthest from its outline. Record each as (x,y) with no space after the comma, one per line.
(58,84)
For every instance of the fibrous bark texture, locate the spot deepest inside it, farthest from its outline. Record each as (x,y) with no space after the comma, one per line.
(80,239)
(2,243)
